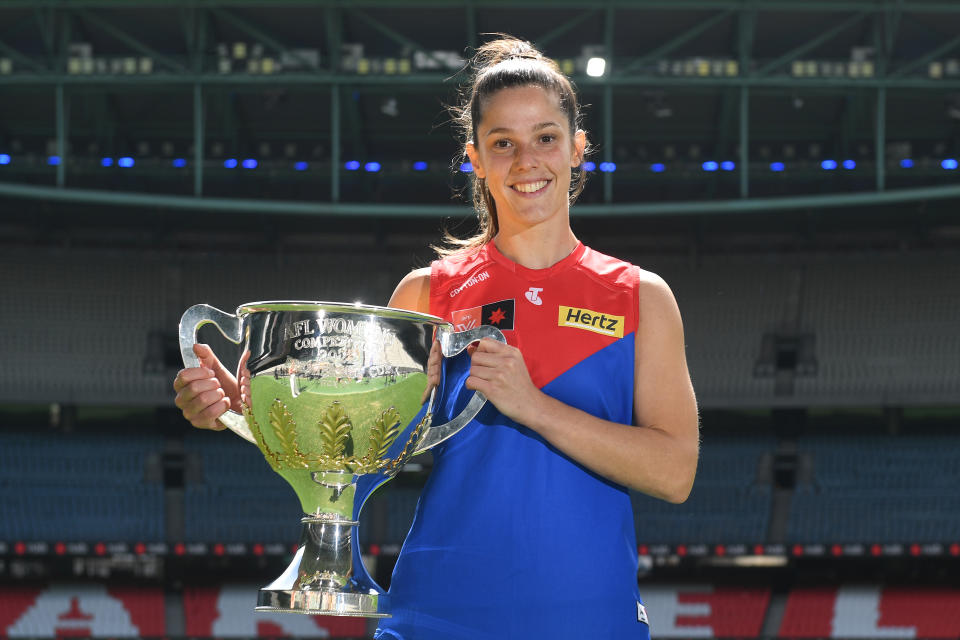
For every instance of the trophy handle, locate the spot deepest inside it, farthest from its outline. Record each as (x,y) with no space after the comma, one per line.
(228,325)
(452,343)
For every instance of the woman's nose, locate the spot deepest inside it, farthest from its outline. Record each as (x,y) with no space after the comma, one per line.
(525,158)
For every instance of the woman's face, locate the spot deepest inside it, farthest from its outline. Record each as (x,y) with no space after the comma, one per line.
(524,152)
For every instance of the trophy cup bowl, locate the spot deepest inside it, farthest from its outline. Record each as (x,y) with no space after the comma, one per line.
(331,394)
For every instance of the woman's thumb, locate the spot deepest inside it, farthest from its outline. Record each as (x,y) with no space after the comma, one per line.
(205,354)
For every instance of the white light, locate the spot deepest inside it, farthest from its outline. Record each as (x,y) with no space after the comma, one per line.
(596,67)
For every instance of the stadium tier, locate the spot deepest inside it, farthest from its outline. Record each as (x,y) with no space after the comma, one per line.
(81,487)
(729,503)
(877,489)
(761,330)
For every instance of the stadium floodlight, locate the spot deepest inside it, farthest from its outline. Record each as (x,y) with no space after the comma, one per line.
(776,166)
(230,163)
(596,67)
(608,167)
(126,162)
(351,165)
(249,163)
(420,166)
(728,165)
(53,160)
(949,164)
(301,166)
(828,165)
(658,167)
(906,163)
(106,162)
(466,167)
(589,166)
(371,167)
(849,165)
(4,158)
(710,165)
(179,163)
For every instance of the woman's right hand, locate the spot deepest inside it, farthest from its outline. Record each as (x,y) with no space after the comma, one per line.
(206,392)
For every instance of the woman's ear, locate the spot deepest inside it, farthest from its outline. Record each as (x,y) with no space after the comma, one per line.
(579,148)
(475,160)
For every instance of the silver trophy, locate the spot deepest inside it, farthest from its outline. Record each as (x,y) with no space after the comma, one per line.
(332,395)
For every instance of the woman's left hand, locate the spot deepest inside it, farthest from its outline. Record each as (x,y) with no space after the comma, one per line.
(499,372)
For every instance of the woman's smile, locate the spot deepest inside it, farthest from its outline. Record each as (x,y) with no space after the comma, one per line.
(531,187)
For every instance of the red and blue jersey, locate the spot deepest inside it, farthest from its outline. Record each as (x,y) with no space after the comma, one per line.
(512,538)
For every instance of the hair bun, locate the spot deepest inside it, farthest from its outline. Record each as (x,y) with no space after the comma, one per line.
(503,49)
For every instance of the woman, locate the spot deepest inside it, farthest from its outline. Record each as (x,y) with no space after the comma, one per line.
(525,528)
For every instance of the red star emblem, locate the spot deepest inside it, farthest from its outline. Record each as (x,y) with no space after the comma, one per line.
(497,316)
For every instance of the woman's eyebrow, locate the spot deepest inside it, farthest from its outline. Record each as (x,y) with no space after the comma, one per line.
(542,125)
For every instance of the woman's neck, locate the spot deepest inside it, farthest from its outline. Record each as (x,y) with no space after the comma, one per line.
(536,248)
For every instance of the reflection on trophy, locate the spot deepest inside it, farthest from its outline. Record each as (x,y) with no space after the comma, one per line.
(331,394)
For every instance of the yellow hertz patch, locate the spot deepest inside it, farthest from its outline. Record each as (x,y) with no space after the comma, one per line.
(591,321)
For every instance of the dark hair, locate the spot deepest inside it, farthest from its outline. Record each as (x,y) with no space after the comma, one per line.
(503,64)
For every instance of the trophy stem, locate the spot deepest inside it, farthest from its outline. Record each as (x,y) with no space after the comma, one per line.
(321,579)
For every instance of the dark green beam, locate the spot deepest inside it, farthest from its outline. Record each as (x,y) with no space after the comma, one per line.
(397,37)
(913,65)
(19,57)
(334,28)
(46,22)
(441,81)
(608,134)
(773,6)
(199,137)
(130,41)
(261,35)
(565,28)
(674,44)
(827,35)
(156,201)
(880,138)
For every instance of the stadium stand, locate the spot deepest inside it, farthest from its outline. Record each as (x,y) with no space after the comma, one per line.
(885,327)
(729,503)
(79,488)
(890,341)
(232,494)
(878,489)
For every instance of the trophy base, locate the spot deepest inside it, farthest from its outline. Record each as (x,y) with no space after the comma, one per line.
(322,578)
(325,603)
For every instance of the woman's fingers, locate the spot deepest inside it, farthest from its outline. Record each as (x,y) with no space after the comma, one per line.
(433,371)
(200,397)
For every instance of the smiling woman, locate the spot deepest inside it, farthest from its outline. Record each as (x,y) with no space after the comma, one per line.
(525,529)
(514,64)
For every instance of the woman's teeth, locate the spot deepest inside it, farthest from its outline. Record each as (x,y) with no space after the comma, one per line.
(530,187)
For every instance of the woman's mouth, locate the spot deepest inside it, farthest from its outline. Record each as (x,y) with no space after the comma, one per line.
(530,187)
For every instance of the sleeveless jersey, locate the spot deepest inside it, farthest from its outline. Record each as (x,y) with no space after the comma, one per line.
(512,538)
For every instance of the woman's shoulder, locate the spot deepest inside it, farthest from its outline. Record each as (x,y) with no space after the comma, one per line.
(648,284)
(413,291)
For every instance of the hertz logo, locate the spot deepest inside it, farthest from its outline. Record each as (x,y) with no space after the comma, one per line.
(591,321)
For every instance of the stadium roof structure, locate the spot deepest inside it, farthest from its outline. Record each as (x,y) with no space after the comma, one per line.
(329,107)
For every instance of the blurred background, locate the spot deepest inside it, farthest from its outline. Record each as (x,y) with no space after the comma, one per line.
(790,168)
